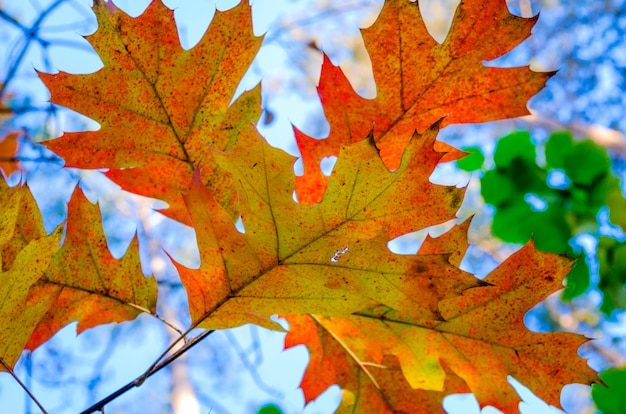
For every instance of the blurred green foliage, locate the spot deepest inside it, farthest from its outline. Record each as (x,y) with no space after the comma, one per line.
(556,201)
(611,400)
(269,409)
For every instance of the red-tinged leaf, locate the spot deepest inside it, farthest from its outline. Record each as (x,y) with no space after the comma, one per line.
(331,258)
(482,340)
(161,108)
(207,288)
(19,270)
(453,242)
(349,123)
(544,362)
(88,284)
(367,386)
(450,153)
(419,81)
(8,152)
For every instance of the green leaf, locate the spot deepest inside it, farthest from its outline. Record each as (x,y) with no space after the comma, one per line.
(558,146)
(619,261)
(513,222)
(512,146)
(612,270)
(601,193)
(528,176)
(472,162)
(611,400)
(577,280)
(617,207)
(497,188)
(517,223)
(269,409)
(551,233)
(586,162)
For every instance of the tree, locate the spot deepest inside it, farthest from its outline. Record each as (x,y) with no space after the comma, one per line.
(410,328)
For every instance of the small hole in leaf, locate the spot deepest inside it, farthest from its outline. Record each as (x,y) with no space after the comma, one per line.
(338,254)
(239,226)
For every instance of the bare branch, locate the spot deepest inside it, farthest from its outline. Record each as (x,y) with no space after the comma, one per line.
(30,35)
(99,406)
(30,394)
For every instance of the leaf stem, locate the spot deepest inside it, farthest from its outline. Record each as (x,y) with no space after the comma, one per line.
(30,394)
(168,324)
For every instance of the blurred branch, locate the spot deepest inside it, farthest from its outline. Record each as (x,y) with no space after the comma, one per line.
(609,138)
(30,34)
(526,8)
(572,323)
(183,399)
(102,360)
(30,394)
(254,373)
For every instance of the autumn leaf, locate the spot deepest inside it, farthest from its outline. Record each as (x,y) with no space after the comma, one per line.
(419,81)
(81,282)
(160,108)
(332,257)
(452,243)
(19,315)
(87,283)
(20,222)
(19,270)
(8,152)
(367,386)
(481,341)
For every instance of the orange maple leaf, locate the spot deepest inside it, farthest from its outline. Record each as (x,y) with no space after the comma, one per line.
(419,81)
(481,341)
(160,108)
(331,258)
(8,152)
(367,386)
(47,286)
(87,283)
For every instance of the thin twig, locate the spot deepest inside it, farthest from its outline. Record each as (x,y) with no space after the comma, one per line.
(168,324)
(157,366)
(30,394)
(99,406)
(183,336)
